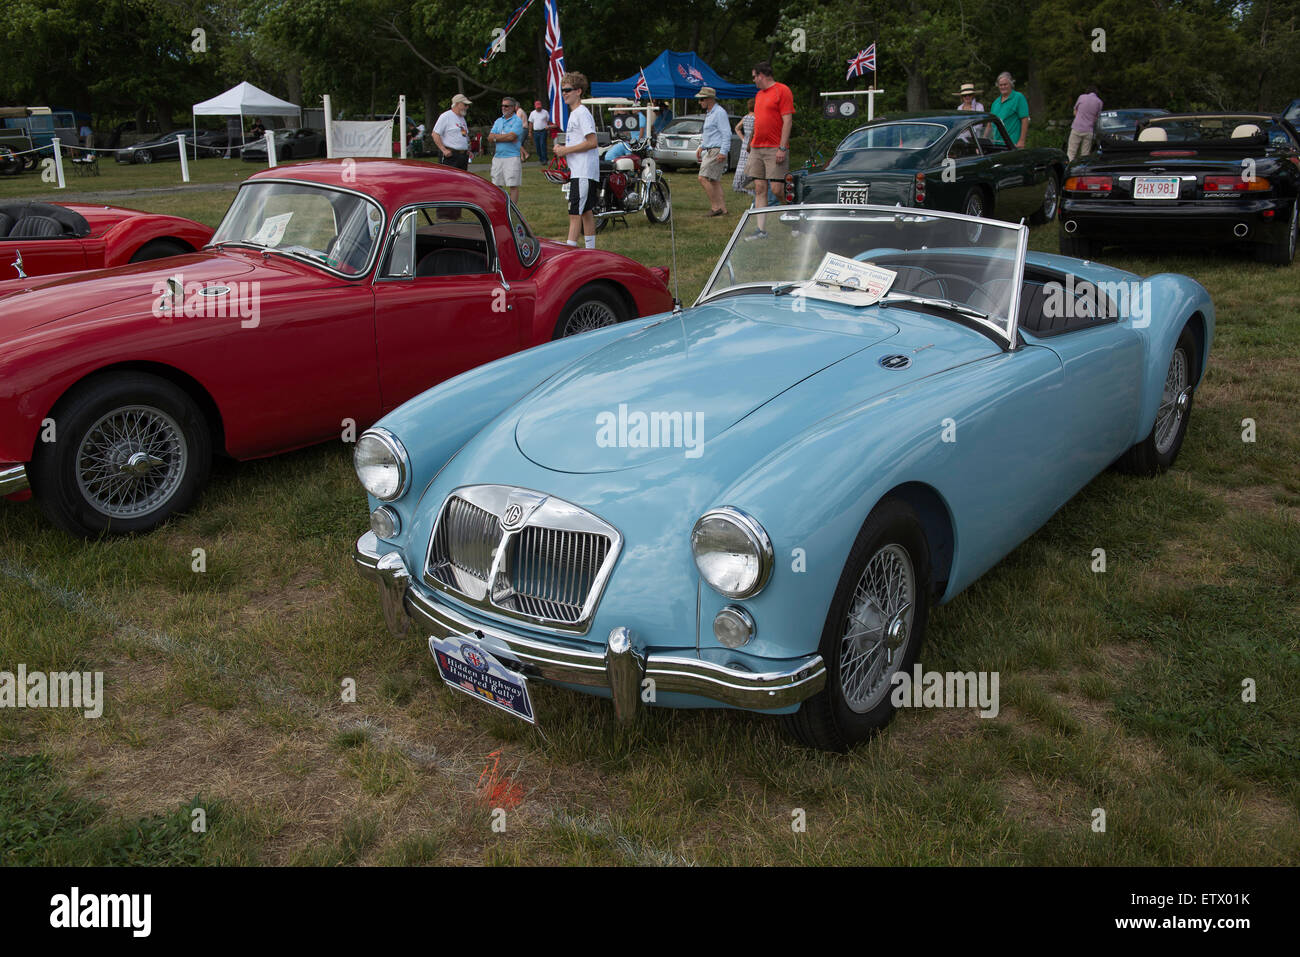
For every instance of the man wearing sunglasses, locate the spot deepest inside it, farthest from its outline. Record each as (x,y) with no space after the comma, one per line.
(508,133)
(579,151)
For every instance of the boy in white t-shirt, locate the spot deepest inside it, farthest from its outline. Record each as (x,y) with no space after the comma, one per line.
(579,150)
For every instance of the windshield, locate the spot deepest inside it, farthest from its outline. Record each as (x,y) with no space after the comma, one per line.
(328,227)
(1207,130)
(1114,120)
(975,264)
(894,136)
(687,127)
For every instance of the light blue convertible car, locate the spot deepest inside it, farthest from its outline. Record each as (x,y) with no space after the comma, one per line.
(754,502)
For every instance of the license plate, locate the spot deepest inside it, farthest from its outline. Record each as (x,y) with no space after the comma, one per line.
(852,195)
(1155,187)
(466,666)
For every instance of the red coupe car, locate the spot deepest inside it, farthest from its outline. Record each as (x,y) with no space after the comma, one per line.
(331,292)
(39,239)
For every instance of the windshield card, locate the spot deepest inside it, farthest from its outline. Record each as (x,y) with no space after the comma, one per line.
(272,230)
(467,666)
(839,279)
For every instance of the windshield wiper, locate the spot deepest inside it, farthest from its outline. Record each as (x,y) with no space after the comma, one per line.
(937,303)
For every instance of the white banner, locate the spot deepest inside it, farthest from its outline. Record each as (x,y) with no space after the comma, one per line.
(362,138)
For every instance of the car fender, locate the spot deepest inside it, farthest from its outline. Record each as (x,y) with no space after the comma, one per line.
(564,270)
(124,239)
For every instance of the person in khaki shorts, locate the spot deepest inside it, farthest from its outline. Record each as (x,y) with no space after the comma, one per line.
(712,154)
(769,150)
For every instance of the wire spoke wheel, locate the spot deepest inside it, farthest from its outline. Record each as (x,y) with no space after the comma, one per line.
(1173,402)
(592,314)
(877,627)
(131,461)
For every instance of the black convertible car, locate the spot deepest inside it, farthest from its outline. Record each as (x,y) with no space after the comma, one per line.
(960,162)
(1206,178)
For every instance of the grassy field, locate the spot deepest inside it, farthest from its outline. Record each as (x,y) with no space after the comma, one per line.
(1120,691)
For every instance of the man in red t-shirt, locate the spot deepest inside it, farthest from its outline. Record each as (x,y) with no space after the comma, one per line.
(769,148)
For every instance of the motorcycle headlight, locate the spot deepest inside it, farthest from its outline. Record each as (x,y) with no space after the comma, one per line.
(382,464)
(732,552)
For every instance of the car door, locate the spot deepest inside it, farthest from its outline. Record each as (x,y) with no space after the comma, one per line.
(440,305)
(1012,177)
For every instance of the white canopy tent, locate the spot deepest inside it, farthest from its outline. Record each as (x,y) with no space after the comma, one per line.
(245,100)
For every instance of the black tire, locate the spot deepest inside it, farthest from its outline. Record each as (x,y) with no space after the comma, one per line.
(659,202)
(159,249)
(144,156)
(1158,450)
(975,203)
(1078,246)
(1282,252)
(835,719)
(1051,201)
(591,307)
(92,422)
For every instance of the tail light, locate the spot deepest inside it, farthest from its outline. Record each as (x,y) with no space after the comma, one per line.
(1233,184)
(918,190)
(1089,184)
(789,187)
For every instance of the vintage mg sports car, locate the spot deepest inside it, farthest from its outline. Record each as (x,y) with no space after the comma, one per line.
(331,293)
(754,503)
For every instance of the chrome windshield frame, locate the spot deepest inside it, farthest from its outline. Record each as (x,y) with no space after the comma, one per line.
(1008,335)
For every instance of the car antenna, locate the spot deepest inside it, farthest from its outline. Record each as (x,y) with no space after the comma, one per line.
(677,288)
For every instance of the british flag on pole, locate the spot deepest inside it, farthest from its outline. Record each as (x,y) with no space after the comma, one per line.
(642,86)
(864,62)
(555,65)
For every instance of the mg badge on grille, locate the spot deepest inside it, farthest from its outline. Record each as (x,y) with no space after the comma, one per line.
(513,517)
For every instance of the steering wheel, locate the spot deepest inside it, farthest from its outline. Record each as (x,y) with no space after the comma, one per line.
(976,288)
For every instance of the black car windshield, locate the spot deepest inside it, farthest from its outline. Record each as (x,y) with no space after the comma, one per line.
(691,126)
(1112,121)
(894,136)
(1209,130)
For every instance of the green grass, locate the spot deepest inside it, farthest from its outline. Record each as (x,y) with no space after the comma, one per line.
(1120,691)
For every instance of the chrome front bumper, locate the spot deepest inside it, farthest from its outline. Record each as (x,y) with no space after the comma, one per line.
(621,667)
(13,479)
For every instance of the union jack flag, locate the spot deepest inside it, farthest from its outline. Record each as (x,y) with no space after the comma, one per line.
(555,65)
(498,42)
(642,86)
(863,62)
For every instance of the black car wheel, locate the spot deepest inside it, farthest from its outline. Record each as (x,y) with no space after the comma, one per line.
(1051,201)
(131,450)
(591,307)
(144,156)
(1158,450)
(159,249)
(1282,252)
(874,630)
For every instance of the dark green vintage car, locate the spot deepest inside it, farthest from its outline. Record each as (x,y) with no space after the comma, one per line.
(961,162)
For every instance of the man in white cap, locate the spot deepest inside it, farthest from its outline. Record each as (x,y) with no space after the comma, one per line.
(451,133)
(712,152)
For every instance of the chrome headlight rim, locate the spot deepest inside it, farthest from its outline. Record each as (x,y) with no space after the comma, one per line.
(398,451)
(758,538)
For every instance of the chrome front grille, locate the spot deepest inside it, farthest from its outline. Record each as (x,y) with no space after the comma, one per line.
(552,571)
(522,554)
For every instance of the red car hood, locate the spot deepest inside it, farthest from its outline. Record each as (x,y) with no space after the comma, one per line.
(26,304)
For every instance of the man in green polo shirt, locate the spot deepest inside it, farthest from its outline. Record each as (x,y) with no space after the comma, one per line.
(1012,109)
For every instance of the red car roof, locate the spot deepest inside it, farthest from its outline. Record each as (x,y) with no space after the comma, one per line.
(396,182)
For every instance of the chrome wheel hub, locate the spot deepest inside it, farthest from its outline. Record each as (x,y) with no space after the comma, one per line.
(1174,402)
(590,315)
(131,461)
(878,626)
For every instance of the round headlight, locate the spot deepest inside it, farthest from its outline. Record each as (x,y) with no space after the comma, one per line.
(382,464)
(732,552)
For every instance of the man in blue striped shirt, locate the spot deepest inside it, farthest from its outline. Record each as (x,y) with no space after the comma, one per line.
(712,152)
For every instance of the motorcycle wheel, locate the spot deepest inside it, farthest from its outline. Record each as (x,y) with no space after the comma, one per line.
(658,204)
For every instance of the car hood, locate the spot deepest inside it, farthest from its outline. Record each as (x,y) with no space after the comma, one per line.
(28,303)
(681,382)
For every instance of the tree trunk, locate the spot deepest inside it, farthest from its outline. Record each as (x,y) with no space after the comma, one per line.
(918,97)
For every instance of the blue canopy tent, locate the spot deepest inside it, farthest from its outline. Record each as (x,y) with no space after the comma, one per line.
(677,76)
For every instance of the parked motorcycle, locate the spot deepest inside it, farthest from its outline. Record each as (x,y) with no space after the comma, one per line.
(629,184)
